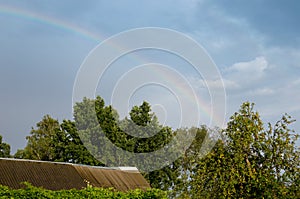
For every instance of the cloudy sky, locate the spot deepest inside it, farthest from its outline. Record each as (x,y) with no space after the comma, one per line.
(255,45)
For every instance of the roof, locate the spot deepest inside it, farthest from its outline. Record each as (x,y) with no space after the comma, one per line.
(57,176)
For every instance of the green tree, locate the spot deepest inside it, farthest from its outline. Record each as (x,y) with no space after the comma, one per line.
(95,120)
(141,133)
(146,135)
(251,161)
(69,147)
(187,163)
(87,116)
(40,145)
(52,141)
(4,149)
(141,115)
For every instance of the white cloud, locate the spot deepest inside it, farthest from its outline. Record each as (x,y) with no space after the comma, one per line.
(256,66)
(245,75)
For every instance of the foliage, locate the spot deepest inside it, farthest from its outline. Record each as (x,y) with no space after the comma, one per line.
(90,192)
(251,162)
(189,161)
(40,142)
(141,115)
(95,120)
(52,141)
(4,149)
(146,135)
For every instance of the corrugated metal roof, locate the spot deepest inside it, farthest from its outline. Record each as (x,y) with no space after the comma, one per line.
(57,176)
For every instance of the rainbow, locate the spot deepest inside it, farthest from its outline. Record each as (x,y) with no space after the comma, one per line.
(47,20)
(91,36)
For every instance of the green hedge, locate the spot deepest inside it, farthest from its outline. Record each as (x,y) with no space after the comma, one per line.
(89,192)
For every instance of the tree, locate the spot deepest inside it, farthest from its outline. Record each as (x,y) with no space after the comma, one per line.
(203,140)
(95,120)
(251,161)
(69,147)
(4,149)
(146,135)
(141,115)
(90,131)
(52,141)
(40,144)
(141,133)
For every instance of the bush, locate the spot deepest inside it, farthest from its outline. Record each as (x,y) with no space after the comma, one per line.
(90,192)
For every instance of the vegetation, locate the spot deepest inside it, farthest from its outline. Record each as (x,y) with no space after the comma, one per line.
(52,141)
(4,149)
(250,160)
(107,120)
(90,192)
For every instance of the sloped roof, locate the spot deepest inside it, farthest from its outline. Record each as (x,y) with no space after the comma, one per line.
(57,176)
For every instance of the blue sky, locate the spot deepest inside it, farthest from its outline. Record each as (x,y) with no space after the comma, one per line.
(255,44)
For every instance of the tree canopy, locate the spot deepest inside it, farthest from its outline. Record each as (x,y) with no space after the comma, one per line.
(251,161)
(248,160)
(52,141)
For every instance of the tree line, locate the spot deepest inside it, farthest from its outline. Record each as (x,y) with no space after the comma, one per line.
(248,159)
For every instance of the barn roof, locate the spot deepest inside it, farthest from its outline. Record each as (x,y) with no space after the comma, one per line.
(57,176)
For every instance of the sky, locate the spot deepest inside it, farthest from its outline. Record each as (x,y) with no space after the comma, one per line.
(254,44)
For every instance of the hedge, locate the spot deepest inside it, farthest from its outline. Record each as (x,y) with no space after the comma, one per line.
(90,192)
